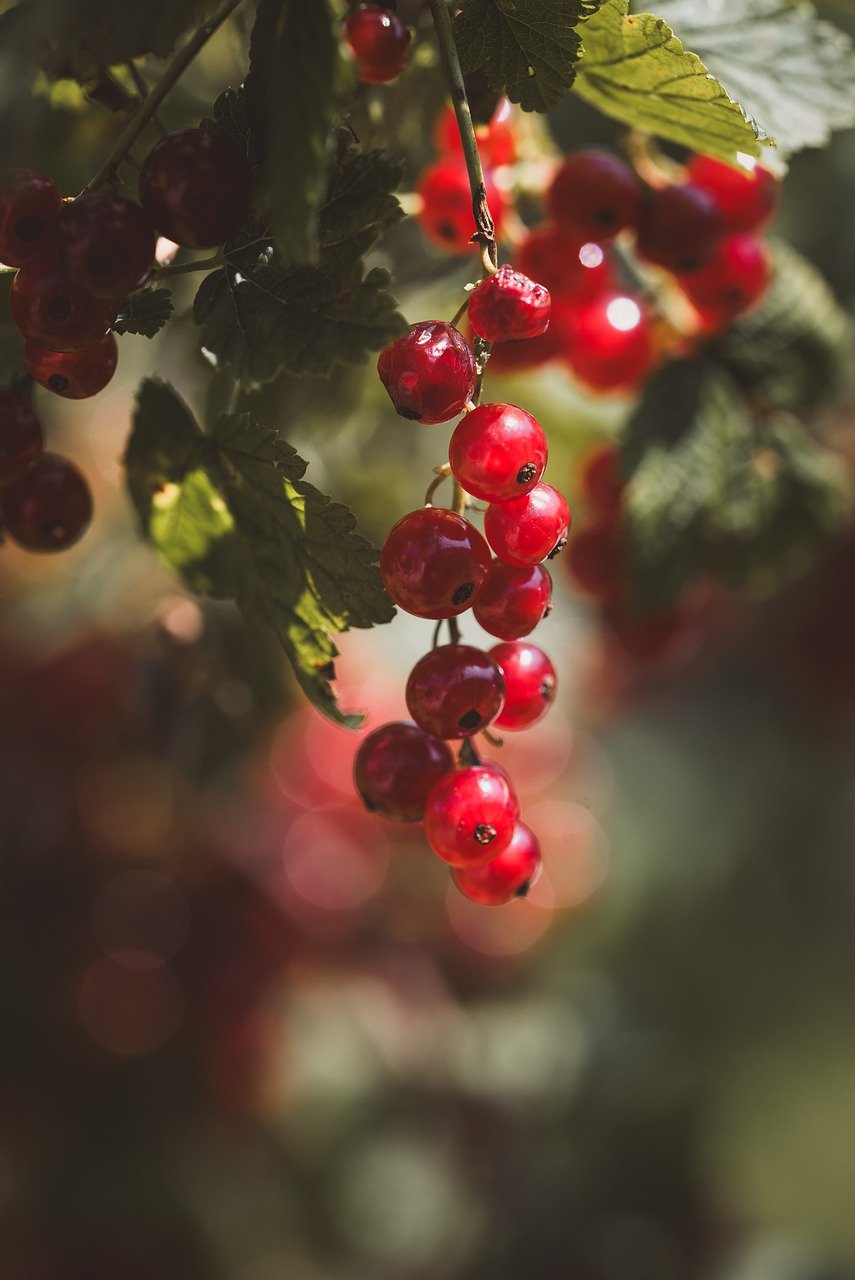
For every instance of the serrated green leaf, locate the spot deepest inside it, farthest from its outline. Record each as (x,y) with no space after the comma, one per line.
(792,71)
(144,312)
(230,115)
(635,70)
(360,204)
(528,48)
(231,512)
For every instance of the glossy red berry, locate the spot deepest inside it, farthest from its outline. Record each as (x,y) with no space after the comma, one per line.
(733,281)
(429,373)
(530,683)
(497,452)
(49,310)
(395,768)
(678,227)
(746,195)
(497,140)
(600,482)
(446,216)
(454,691)
(195,187)
(567,266)
(508,306)
(49,507)
(105,244)
(595,193)
(21,436)
(29,207)
(595,560)
(433,563)
(76,375)
(530,529)
(508,876)
(612,346)
(513,600)
(470,815)
(379,42)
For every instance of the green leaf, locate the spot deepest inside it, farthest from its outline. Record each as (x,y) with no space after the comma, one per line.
(529,48)
(144,312)
(231,512)
(636,70)
(792,71)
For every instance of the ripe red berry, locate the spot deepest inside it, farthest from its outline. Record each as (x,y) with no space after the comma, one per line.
(29,207)
(395,768)
(678,227)
(746,195)
(508,876)
(497,140)
(21,437)
(497,452)
(470,816)
(568,267)
(446,216)
(530,683)
(612,346)
(594,559)
(48,507)
(530,353)
(195,187)
(379,42)
(433,563)
(76,375)
(530,529)
(595,193)
(49,310)
(508,306)
(454,691)
(429,373)
(105,244)
(734,279)
(651,638)
(600,482)
(513,600)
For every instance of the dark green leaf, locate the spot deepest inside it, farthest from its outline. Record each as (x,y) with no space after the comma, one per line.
(144,312)
(360,205)
(230,115)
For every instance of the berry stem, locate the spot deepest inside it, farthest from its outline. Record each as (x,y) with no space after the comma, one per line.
(142,89)
(182,268)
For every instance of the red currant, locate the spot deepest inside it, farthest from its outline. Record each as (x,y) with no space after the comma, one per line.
(513,600)
(470,816)
(379,42)
(76,375)
(530,529)
(105,244)
(678,227)
(600,481)
(29,207)
(508,876)
(497,452)
(612,347)
(497,142)
(49,507)
(49,310)
(508,306)
(395,768)
(567,266)
(734,279)
(21,437)
(594,560)
(455,691)
(595,193)
(433,563)
(429,373)
(530,683)
(446,216)
(530,353)
(646,639)
(195,186)
(745,194)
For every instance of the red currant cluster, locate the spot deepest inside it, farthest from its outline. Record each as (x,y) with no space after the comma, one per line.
(45,503)
(435,564)
(378,41)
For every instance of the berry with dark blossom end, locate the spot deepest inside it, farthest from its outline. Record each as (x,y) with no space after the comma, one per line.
(567,266)
(454,691)
(195,186)
(433,563)
(731,283)
(530,683)
(429,373)
(595,560)
(446,216)
(75,375)
(21,437)
(395,768)
(470,815)
(508,306)
(678,227)
(600,481)
(594,193)
(379,42)
(29,207)
(51,311)
(528,530)
(49,507)
(746,195)
(513,600)
(497,452)
(612,346)
(105,244)
(497,140)
(510,875)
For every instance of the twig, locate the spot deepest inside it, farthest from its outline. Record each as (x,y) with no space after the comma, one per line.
(142,89)
(183,268)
